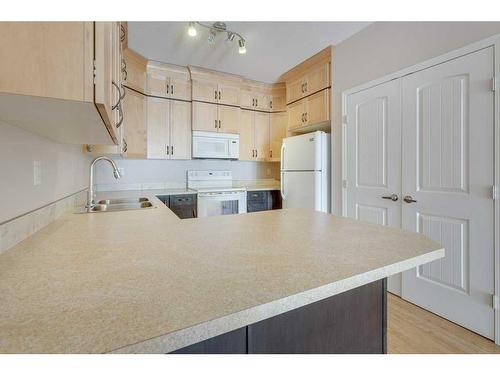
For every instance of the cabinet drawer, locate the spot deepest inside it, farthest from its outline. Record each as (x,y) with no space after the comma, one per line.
(182,200)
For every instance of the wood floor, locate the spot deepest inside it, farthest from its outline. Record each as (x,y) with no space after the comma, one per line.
(411,329)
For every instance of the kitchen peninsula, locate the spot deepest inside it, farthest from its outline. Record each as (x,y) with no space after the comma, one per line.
(144,281)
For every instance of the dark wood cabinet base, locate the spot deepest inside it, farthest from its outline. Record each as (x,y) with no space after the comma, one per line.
(351,322)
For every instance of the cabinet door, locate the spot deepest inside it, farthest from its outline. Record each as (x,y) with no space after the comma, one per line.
(278,101)
(317,80)
(229,94)
(262,101)
(134,124)
(158,114)
(204,117)
(277,133)
(229,119)
(296,114)
(247,135)
(318,107)
(136,71)
(294,90)
(205,91)
(261,128)
(180,129)
(247,99)
(106,89)
(180,88)
(157,83)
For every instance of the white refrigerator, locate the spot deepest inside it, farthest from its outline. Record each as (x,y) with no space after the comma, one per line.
(305,171)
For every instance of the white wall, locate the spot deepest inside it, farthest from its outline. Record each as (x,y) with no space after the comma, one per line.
(386,47)
(64,171)
(172,173)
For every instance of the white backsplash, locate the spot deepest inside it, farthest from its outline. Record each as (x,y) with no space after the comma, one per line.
(171,174)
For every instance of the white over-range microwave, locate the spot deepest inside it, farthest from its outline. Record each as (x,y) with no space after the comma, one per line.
(210,145)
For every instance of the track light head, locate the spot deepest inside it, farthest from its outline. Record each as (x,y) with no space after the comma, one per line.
(192,29)
(243,49)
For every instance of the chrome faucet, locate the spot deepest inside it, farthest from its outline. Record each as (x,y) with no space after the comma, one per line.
(90,192)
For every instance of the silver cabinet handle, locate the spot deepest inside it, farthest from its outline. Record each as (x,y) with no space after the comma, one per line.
(168,86)
(409,199)
(219,124)
(305,117)
(113,107)
(215,94)
(219,95)
(256,153)
(171,89)
(123,34)
(215,124)
(168,150)
(125,146)
(120,112)
(256,102)
(171,150)
(392,197)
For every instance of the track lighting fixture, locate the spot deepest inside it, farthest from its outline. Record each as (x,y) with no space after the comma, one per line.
(214,29)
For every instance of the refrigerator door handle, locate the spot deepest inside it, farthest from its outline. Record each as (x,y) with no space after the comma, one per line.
(282,186)
(282,155)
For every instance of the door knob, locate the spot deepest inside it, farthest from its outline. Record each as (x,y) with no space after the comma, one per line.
(409,199)
(392,197)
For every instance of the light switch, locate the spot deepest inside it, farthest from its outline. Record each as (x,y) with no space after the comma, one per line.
(37,172)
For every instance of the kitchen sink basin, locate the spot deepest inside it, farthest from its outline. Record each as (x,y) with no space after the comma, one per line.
(123,200)
(121,206)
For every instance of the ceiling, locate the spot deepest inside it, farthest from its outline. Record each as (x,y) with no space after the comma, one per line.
(272,47)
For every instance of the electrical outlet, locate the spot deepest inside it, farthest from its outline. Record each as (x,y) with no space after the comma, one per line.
(37,172)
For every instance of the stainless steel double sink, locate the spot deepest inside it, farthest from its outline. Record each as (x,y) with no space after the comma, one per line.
(121,204)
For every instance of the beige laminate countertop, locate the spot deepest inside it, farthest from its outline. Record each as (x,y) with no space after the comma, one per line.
(146,281)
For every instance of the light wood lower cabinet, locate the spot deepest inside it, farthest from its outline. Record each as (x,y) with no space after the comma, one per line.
(168,129)
(215,118)
(277,133)
(254,135)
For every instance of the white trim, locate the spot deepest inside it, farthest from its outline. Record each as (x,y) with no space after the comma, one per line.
(493,41)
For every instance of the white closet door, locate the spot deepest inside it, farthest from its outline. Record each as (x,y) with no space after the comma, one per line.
(373,163)
(447,137)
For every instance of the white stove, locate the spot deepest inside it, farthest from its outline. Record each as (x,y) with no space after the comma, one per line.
(216,194)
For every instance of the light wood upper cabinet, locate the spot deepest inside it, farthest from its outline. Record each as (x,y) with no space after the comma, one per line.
(316,78)
(168,129)
(168,81)
(294,90)
(278,98)
(312,110)
(278,131)
(215,118)
(261,129)
(229,119)
(254,135)
(158,117)
(205,117)
(228,94)
(135,138)
(47,79)
(180,129)
(135,66)
(247,149)
(205,91)
(296,114)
